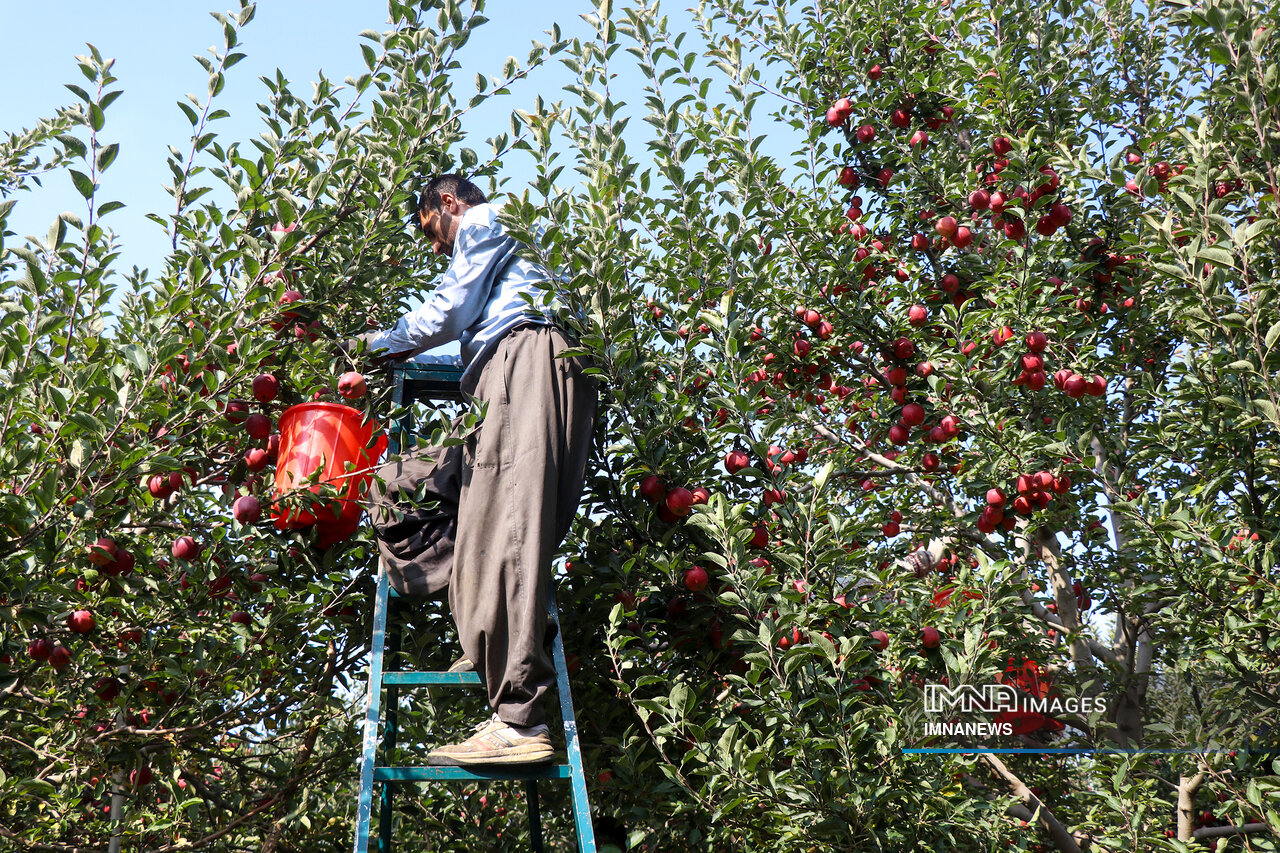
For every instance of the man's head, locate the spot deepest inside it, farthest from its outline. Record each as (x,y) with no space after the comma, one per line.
(440,209)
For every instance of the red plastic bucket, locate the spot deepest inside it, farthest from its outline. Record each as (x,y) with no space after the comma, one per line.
(325,437)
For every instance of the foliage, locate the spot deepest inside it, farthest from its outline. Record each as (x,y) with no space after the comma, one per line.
(765,277)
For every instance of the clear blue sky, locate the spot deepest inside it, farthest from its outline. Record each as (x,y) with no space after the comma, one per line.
(153,43)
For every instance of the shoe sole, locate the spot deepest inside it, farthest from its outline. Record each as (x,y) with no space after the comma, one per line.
(515,756)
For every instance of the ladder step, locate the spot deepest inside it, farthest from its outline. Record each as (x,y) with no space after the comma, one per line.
(443,774)
(419,679)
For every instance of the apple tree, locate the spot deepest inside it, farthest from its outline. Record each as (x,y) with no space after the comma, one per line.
(178,672)
(958,371)
(939,349)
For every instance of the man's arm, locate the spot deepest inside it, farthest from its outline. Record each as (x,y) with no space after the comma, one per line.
(459,300)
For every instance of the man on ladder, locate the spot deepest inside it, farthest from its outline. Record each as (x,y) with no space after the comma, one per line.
(505,498)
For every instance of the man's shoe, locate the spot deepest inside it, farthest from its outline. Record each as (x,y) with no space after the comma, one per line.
(495,742)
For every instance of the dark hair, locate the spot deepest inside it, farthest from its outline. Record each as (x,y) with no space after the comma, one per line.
(456,186)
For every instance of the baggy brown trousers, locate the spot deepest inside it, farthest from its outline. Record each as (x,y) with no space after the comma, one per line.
(505,500)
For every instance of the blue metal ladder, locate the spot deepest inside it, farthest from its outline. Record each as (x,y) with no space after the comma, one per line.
(440,382)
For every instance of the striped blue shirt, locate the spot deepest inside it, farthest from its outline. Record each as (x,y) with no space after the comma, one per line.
(479,298)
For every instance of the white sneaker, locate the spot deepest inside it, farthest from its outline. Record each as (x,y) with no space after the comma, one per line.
(496,742)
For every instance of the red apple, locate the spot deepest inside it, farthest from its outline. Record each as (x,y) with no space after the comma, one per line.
(1037,341)
(102,552)
(123,563)
(185,548)
(352,385)
(695,579)
(256,459)
(257,425)
(106,688)
(917,315)
(247,509)
(59,657)
(158,486)
(979,199)
(237,411)
(81,621)
(881,640)
(265,387)
(735,461)
(679,501)
(946,226)
(866,133)
(848,177)
(912,414)
(962,238)
(241,618)
(141,777)
(930,638)
(40,649)
(287,298)
(651,489)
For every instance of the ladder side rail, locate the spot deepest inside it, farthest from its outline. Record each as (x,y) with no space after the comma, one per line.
(535,815)
(577,776)
(391,730)
(372,714)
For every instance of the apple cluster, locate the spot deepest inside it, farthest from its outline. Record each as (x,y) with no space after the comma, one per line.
(672,504)
(1034,492)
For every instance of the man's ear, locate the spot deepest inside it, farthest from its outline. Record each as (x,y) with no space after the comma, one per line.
(448,203)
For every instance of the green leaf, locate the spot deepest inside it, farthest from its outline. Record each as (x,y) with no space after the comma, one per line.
(84,185)
(1268,409)
(1216,255)
(1273,334)
(107,156)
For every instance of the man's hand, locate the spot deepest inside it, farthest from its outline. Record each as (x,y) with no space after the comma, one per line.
(357,350)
